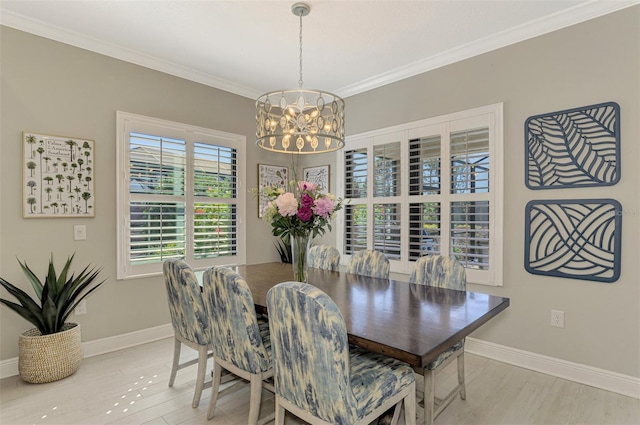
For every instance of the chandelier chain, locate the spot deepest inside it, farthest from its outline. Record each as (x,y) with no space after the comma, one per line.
(300,80)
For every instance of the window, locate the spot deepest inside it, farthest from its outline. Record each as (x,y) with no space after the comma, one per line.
(427,187)
(179,195)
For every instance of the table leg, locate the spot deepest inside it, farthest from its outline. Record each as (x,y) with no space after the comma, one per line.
(429,396)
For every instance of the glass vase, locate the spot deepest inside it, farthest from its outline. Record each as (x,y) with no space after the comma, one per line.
(299,249)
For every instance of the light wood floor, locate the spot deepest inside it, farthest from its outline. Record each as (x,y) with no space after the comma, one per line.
(130,387)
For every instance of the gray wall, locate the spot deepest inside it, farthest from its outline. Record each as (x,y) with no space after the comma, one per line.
(48,87)
(52,88)
(593,62)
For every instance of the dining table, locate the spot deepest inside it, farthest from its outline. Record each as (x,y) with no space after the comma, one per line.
(410,322)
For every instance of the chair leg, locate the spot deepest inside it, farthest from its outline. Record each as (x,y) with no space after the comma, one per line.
(429,396)
(410,408)
(280,413)
(463,390)
(176,361)
(202,369)
(256,396)
(396,413)
(215,387)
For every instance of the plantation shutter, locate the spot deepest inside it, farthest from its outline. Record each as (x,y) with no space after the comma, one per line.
(215,212)
(180,195)
(469,218)
(425,178)
(430,187)
(470,161)
(386,220)
(356,228)
(424,166)
(356,173)
(356,163)
(159,175)
(157,170)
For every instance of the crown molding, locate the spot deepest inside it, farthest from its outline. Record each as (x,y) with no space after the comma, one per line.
(43,29)
(559,20)
(563,19)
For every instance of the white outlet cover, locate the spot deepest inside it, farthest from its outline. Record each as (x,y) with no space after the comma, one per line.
(79,232)
(81,308)
(557,318)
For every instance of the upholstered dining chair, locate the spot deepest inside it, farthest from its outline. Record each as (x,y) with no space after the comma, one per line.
(369,263)
(442,272)
(323,257)
(316,377)
(240,344)
(189,320)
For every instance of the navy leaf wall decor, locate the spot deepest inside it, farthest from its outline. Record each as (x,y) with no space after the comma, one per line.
(577,147)
(578,239)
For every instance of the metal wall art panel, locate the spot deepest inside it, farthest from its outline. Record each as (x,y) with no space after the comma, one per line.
(577,239)
(577,147)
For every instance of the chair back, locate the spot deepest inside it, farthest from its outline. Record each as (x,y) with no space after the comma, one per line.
(369,263)
(323,257)
(234,326)
(440,271)
(310,352)
(188,314)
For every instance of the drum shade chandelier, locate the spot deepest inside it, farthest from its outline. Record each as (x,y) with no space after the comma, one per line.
(300,121)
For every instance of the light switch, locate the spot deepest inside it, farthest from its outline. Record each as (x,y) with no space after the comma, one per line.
(79,232)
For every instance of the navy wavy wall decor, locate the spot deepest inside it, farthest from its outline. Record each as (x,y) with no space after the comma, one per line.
(577,147)
(578,239)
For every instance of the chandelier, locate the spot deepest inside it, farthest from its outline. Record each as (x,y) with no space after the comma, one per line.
(300,121)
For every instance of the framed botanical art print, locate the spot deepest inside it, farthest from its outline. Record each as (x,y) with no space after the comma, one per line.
(58,176)
(270,176)
(318,175)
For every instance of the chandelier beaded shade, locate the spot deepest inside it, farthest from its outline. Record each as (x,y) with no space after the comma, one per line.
(300,121)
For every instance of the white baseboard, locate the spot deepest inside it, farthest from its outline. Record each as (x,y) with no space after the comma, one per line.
(588,375)
(9,367)
(599,378)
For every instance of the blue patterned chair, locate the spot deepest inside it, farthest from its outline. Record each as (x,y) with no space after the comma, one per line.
(369,263)
(323,257)
(240,344)
(316,377)
(189,320)
(442,272)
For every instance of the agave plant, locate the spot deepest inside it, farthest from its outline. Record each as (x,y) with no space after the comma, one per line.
(56,298)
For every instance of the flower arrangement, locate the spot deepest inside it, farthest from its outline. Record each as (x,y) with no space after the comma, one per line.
(303,211)
(298,216)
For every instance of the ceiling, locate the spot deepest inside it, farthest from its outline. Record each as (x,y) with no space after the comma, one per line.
(251,47)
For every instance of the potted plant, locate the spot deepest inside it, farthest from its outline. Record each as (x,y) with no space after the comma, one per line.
(52,350)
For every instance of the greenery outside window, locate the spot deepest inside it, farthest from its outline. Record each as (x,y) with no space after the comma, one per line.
(179,195)
(428,187)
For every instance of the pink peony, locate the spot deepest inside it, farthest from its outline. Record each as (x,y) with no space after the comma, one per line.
(324,207)
(287,204)
(307,200)
(305,214)
(311,187)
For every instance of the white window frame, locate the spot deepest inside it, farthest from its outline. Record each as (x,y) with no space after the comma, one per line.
(127,123)
(490,116)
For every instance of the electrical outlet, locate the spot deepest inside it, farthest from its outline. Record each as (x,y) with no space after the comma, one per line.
(557,318)
(81,308)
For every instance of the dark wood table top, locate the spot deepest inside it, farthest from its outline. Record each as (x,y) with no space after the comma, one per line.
(413,323)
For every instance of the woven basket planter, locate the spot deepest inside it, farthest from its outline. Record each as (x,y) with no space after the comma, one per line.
(48,358)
